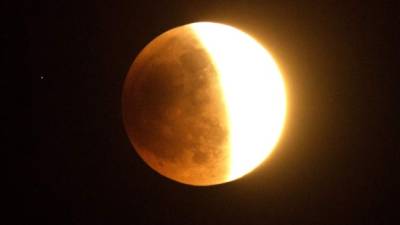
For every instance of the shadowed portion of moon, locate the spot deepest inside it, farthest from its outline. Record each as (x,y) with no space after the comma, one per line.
(174,111)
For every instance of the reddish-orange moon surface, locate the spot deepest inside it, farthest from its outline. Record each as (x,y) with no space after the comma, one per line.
(175,110)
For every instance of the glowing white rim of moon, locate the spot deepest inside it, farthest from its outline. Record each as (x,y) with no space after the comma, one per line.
(253,91)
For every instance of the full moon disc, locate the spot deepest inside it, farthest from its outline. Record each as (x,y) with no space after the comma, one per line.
(203,104)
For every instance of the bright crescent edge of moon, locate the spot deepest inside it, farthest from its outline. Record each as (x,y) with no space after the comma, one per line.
(253,92)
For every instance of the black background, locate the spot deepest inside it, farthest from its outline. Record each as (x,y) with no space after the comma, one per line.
(334,163)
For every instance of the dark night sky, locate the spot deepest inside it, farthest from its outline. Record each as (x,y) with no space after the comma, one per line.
(333,165)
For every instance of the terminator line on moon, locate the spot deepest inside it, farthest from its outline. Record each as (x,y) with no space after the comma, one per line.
(203,104)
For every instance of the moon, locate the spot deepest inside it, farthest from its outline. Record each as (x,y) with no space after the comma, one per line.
(204,104)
